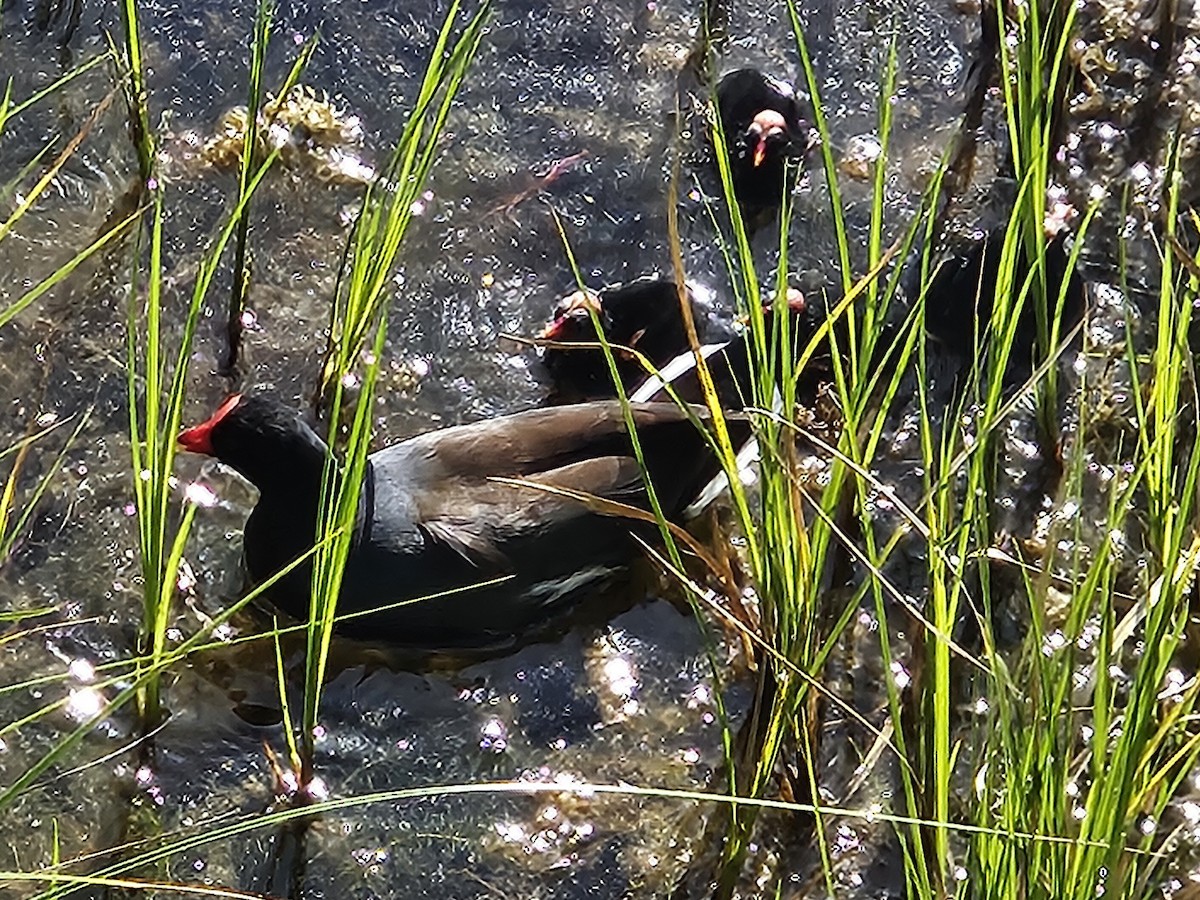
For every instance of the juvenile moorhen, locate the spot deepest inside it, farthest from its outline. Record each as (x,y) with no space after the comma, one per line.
(643,314)
(764,128)
(431,518)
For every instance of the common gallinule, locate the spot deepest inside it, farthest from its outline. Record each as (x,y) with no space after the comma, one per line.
(961,293)
(730,364)
(432,519)
(763,127)
(643,314)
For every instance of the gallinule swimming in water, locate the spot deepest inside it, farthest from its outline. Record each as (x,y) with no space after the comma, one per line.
(764,128)
(432,519)
(960,298)
(643,314)
(730,363)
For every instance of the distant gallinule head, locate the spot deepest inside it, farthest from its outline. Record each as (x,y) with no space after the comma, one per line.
(643,315)
(573,318)
(764,128)
(434,519)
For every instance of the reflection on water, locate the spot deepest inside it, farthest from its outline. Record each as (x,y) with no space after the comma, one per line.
(631,702)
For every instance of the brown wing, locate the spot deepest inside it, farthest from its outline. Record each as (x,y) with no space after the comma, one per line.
(478,518)
(448,476)
(539,440)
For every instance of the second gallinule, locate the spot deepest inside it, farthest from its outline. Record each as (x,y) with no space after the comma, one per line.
(643,314)
(732,368)
(432,518)
(763,126)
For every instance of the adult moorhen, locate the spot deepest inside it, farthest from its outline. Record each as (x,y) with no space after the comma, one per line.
(763,127)
(731,367)
(643,315)
(960,297)
(432,520)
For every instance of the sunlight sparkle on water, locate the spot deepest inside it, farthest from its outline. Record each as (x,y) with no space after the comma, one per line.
(1053,642)
(186,579)
(1176,684)
(846,840)
(510,831)
(84,704)
(494,736)
(82,670)
(1191,812)
(317,789)
(619,674)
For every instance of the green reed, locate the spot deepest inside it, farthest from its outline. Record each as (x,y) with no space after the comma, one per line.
(15,514)
(1090,766)
(30,194)
(157,382)
(132,65)
(792,539)
(391,200)
(791,547)
(251,159)
(359,313)
(1118,749)
(1066,772)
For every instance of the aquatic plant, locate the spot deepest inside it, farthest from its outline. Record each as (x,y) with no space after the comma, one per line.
(249,164)
(359,312)
(10,110)
(1055,780)
(156,387)
(793,531)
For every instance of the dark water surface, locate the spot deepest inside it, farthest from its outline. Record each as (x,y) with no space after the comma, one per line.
(630,701)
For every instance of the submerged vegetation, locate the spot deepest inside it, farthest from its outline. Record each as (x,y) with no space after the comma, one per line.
(1031,726)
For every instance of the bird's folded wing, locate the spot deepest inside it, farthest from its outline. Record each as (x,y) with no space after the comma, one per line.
(469,539)
(481,518)
(526,444)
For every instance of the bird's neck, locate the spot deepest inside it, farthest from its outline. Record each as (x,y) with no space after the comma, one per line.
(284,523)
(289,467)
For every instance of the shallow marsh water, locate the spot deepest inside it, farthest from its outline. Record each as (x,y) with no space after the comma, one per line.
(630,701)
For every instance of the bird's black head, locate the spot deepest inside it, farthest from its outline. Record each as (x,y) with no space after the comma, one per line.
(264,440)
